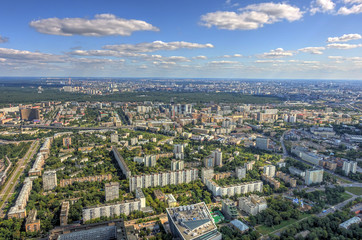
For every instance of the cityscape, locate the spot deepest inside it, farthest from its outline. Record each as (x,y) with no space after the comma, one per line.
(124,120)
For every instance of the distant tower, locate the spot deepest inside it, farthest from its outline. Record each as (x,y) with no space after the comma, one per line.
(70,81)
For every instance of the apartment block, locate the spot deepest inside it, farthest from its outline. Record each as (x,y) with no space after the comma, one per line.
(18,210)
(163,179)
(49,180)
(64,211)
(253,204)
(269,170)
(32,224)
(314,176)
(111,191)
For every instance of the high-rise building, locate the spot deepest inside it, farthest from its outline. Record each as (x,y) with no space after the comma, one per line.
(178,148)
(64,211)
(49,180)
(112,191)
(177,165)
(349,166)
(262,143)
(252,204)
(209,162)
(67,141)
(249,165)
(269,170)
(29,114)
(217,155)
(240,172)
(229,209)
(114,138)
(314,176)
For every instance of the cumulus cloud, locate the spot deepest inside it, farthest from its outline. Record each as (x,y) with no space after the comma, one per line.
(104,53)
(345,38)
(354,9)
(252,16)
(277,53)
(322,6)
(313,50)
(3,39)
(101,25)
(156,46)
(343,45)
(14,54)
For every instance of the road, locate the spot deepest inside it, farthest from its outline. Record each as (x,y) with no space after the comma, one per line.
(11,182)
(337,206)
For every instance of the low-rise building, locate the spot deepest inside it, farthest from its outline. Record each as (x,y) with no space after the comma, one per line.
(349,222)
(271,180)
(239,226)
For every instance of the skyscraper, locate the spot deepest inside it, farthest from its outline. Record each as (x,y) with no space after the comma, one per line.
(313,176)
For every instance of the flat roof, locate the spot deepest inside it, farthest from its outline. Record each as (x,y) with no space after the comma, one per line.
(193,221)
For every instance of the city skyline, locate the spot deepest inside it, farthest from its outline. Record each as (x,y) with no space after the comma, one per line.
(318,39)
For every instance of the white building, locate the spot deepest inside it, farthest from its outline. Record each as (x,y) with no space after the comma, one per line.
(240,172)
(163,179)
(349,166)
(217,155)
(269,170)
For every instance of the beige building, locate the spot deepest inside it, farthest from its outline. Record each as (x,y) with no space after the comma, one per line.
(252,204)
(49,180)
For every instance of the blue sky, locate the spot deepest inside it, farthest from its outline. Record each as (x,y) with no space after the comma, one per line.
(319,39)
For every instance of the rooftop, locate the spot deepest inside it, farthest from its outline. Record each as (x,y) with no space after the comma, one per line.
(192,221)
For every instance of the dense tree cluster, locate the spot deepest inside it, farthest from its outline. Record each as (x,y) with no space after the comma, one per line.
(323,228)
(278,210)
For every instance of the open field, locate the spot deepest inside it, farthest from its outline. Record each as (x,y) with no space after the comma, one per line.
(354,190)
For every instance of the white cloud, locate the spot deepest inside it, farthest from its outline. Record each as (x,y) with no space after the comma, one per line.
(101,25)
(313,50)
(156,46)
(252,16)
(200,57)
(354,9)
(232,56)
(352,1)
(345,38)
(338,58)
(3,39)
(270,61)
(322,6)
(343,45)
(20,55)
(224,62)
(277,53)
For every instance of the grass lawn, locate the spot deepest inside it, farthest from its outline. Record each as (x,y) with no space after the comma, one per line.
(354,190)
(346,196)
(267,230)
